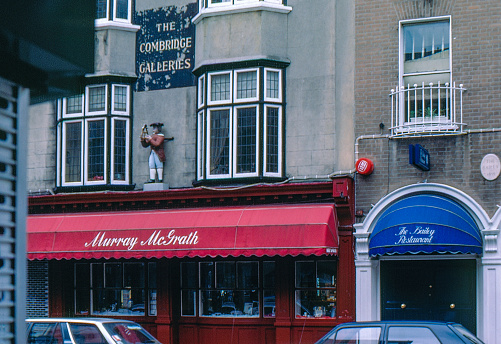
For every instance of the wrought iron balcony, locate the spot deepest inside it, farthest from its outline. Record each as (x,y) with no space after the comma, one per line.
(423,110)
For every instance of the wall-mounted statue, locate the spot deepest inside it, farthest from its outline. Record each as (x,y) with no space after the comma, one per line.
(157,154)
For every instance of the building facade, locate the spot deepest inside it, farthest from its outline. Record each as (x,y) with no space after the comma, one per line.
(246,230)
(427,121)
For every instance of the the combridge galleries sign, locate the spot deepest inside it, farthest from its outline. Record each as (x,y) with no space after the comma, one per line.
(165,50)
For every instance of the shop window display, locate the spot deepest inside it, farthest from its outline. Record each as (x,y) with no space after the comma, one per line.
(228,289)
(315,295)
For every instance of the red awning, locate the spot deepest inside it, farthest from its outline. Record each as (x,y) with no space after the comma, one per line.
(231,231)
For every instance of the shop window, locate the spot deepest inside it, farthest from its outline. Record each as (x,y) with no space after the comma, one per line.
(94,137)
(240,124)
(315,295)
(115,289)
(114,10)
(228,289)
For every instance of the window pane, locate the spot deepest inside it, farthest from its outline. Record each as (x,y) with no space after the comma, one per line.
(220,142)
(119,149)
(152,275)
(97,276)
(134,275)
(269,275)
(97,98)
(207,275)
(73,154)
(220,87)
(272,84)
(246,140)
(44,333)
(113,275)
(85,333)
(326,274)
(225,275)
(120,97)
(74,104)
(218,1)
(365,335)
(316,303)
(426,47)
(305,275)
(95,151)
(414,335)
(101,9)
(247,274)
(188,302)
(272,139)
(189,275)
(122,9)
(246,85)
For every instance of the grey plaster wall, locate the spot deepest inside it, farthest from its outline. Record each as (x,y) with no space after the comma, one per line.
(114,52)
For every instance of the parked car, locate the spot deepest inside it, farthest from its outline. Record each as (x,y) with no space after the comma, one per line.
(86,330)
(399,332)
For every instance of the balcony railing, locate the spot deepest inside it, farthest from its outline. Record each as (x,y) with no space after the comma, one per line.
(421,110)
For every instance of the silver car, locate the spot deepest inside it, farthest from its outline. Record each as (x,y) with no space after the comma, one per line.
(85,331)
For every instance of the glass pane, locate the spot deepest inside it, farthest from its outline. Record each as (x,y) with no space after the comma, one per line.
(188,302)
(82,301)
(106,301)
(113,275)
(272,84)
(247,274)
(225,275)
(42,333)
(426,47)
(305,275)
(82,276)
(153,302)
(210,302)
(246,140)
(269,275)
(120,95)
(220,87)
(269,303)
(74,104)
(122,9)
(414,335)
(134,275)
(362,335)
(326,274)
(97,276)
(220,142)
(272,136)
(246,85)
(152,275)
(246,303)
(97,98)
(218,1)
(101,9)
(119,149)
(95,151)
(189,275)
(136,301)
(86,333)
(316,303)
(73,153)
(207,275)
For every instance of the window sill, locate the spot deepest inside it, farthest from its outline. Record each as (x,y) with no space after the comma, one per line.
(242,8)
(111,25)
(97,187)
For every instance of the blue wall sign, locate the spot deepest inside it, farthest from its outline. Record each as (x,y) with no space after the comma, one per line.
(165,48)
(419,157)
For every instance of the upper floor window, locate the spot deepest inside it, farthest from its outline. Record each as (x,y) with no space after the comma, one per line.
(240,123)
(426,98)
(221,7)
(93,136)
(114,10)
(221,3)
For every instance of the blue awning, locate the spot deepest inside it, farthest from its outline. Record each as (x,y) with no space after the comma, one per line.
(425,223)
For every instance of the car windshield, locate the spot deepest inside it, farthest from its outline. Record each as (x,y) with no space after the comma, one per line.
(129,333)
(468,335)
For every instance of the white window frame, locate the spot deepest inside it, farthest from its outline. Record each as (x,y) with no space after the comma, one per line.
(129,12)
(86,156)
(265,146)
(201,91)
(127,143)
(235,140)
(230,153)
(70,115)
(200,145)
(209,89)
(87,99)
(63,156)
(127,104)
(271,99)
(235,85)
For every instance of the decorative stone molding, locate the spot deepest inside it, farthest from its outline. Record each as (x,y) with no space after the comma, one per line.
(490,240)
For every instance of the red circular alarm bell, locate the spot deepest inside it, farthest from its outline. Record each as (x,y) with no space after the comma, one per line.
(364,166)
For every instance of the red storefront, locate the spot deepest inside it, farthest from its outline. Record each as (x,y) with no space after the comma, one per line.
(272,264)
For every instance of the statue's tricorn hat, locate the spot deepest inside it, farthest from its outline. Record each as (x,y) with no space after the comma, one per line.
(157,124)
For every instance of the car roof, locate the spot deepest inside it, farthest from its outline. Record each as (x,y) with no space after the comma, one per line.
(397,322)
(79,320)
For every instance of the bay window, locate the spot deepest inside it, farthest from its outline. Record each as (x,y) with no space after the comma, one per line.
(240,124)
(94,137)
(114,10)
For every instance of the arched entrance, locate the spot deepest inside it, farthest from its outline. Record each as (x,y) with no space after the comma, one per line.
(419,256)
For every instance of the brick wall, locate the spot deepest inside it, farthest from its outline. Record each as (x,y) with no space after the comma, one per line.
(37,289)
(476,63)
